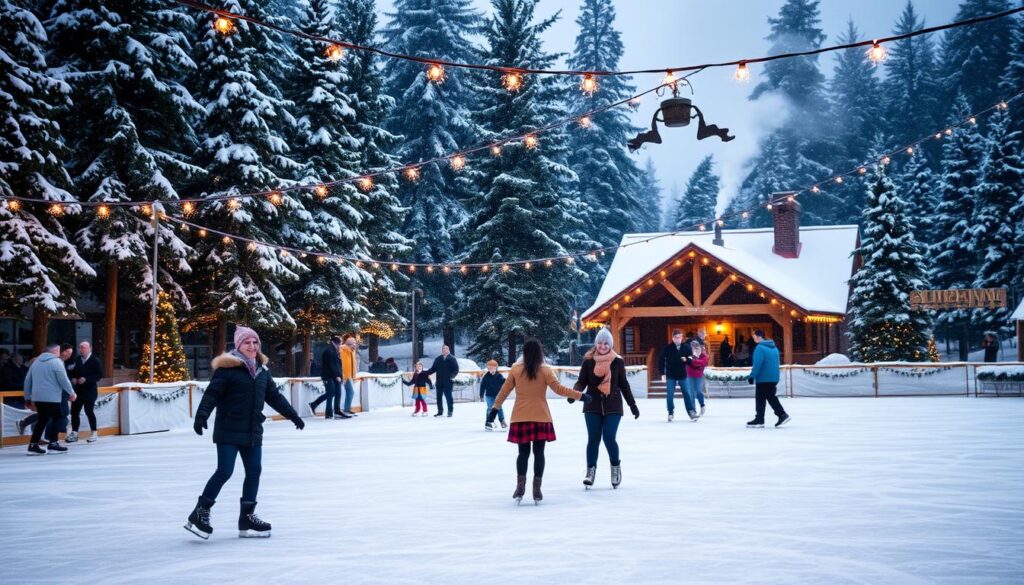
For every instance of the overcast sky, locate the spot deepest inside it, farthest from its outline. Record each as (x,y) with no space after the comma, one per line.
(662,33)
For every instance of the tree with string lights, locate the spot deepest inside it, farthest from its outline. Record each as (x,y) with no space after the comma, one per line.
(169,361)
(881,324)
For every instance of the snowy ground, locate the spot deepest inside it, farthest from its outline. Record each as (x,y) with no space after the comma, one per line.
(897,490)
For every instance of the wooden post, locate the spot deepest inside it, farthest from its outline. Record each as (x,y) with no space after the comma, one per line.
(221,342)
(40,322)
(808,338)
(697,299)
(307,349)
(110,320)
(373,346)
(787,340)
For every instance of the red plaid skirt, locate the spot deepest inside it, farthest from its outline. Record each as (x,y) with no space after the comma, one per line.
(528,432)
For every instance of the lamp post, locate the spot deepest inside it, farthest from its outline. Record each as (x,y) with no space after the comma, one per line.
(415,346)
(157,210)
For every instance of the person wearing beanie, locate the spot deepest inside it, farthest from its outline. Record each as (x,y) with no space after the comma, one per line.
(241,384)
(420,381)
(330,374)
(490,385)
(603,376)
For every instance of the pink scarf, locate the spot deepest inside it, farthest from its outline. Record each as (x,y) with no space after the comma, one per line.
(602,367)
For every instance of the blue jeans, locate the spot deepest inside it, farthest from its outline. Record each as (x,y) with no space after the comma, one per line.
(490,403)
(252,458)
(670,390)
(694,388)
(332,394)
(602,427)
(349,392)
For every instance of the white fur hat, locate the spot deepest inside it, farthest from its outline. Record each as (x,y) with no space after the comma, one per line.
(605,336)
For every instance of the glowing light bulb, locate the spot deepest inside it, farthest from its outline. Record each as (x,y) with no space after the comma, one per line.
(335,52)
(495,150)
(588,84)
(103,212)
(366,183)
(223,25)
(188,208)
(839,180)
(457,162)
(669,79)
(742,72)
(530,141)
(13,205)
(412,174)
(276,198)
(512,81)
(876,53)
(585,122)
(234,204)
(321,191)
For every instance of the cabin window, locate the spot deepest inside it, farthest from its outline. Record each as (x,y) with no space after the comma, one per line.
(630,339)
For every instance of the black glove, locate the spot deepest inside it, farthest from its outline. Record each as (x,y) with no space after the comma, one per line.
(750,380)
(571,400)
(493,414)
(199,425)
(636,411)
(299,423)
(587,398)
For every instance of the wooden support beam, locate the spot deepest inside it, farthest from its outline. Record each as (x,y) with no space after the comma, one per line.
(718,291)
(713,311)
(696,284)
(671,288)
(787,341)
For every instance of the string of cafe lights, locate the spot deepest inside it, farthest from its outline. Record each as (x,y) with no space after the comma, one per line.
(464,268)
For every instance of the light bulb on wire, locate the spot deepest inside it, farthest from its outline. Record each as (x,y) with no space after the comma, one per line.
(742,72)
(588,84)
(335,52)
(223,25)
(512,81)
(435,73)
(876,53)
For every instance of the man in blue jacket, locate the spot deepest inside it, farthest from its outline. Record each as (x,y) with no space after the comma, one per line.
(46,386)
(765,373)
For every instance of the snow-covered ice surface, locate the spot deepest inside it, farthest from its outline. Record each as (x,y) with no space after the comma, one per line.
(856,490)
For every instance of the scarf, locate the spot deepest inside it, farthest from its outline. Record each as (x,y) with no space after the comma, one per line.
(602,367)
(250,364)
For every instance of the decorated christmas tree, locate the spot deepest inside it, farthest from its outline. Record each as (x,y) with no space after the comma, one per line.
(169,358)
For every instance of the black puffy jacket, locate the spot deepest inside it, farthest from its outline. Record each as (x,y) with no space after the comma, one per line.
(239,400)
(589,381)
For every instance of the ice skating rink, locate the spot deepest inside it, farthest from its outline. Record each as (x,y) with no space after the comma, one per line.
(869,491)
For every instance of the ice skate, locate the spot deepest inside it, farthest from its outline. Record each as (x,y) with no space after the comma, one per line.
(95,436)
(670,417)
(504,425)
(755,424)
(488,426)
(199,520)
(701,410)
(21,425)
(520,489)
(249,524)
(72,437)
(589,479)
(616,476)
(56,448)
(537,495)
(785,419)
(693,415)
(35,449)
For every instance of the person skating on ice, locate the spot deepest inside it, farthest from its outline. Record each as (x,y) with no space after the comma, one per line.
(490,385)
(349,368)
(603,377)
(241,384)
(420,381)
(765,374)
(47,387)
(445,367)
(86,375)
(330,374)
(673,372)
(695,364)
(531,419)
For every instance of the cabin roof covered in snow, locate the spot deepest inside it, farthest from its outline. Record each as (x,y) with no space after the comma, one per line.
(816,281)
(1018,315)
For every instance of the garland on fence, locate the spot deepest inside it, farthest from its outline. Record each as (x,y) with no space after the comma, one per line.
(1011,374)
(463,383)
(388,382)
(835,375)
(634,373)
(726,376)
(313,388)
(105,399)
(164,396)
(916,372)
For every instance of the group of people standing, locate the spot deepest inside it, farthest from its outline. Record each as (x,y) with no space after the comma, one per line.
(682,365)
(339,364)
(58,383)
(444,368)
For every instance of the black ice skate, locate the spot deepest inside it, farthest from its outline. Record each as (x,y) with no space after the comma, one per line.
(785,419)
(249,524)
(616,476)
(199,520)
(589,479)
(35,449)
(56,448)
(520,489)
(537,496)
(755,424)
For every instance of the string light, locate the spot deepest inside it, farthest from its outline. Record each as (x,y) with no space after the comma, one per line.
(412,268)
(886,160)
(13,205)
(938,136)
(1003,106)
(223,25)
(366,183)
(146,209)
(745,214)
(394,267)
(528,265)
(234,204)
(188,208)
(103,212)
(458,162)
(530,141)
(276,199)
(430,269)
(412,174)
(949,131)
(512,81)
(814,189)
(202,233)
(251,247)
(862,171)
(839,180)
(585,122)
(972,120)
(876,53)
(227,240)
(485,268)
(435,73)
(335,52)
(463,269)
(321,191)
(910,150)
(669,79)
(548,263)
(495,150)
(588,84)
(505,268)
(742,72)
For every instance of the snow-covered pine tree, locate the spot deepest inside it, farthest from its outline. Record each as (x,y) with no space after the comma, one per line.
(1012,81)
(795,29)
(649,196)
(910,92)
(129,130)
(382,212)
(917,185)
(771,174)
(881,325)
(697,205)
(953,256)
(244,150)
(433,119)
(669,207)
(609,177)
(974,57)
(524,211)
(329,294)
(995,229)
(38,265)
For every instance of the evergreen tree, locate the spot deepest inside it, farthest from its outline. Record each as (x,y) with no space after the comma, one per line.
(910,92)
(954,256)
(697,205)
(383,213)
(523,211)
(434,120)
(973,57)
(995,230)
(330,292)
(917,185)
(243,148)
(798,79)
(881,325)
(1012,82)
(609,178)
(649,197)
(670,207)
(129,128)
(770,175)
(169,362)
(38,265)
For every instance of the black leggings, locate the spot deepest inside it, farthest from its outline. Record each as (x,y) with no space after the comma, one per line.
(76,413)
(524,458)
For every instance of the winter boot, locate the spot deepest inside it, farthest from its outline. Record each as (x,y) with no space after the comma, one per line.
(537,496)
(589,479)
(520,489)
(199,520)
(249,524)
(616,476)
(35,449)
(56,448)
(755,424)
(72,437)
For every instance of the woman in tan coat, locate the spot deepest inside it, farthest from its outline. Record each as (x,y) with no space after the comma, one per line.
(531,419)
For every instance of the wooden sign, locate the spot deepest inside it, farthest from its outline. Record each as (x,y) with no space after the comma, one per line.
(967,298)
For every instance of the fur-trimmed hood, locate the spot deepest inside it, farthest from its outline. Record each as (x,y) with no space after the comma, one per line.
(226,360)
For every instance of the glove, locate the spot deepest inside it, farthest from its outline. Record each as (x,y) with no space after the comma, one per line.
(750,380)
(571,400)
(493,414)
(299,423)
(636,411)
(199,425)
(586,398)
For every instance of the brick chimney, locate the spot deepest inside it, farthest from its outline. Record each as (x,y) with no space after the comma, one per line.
(786,221)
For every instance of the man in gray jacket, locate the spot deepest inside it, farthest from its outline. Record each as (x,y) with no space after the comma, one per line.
(45,384)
